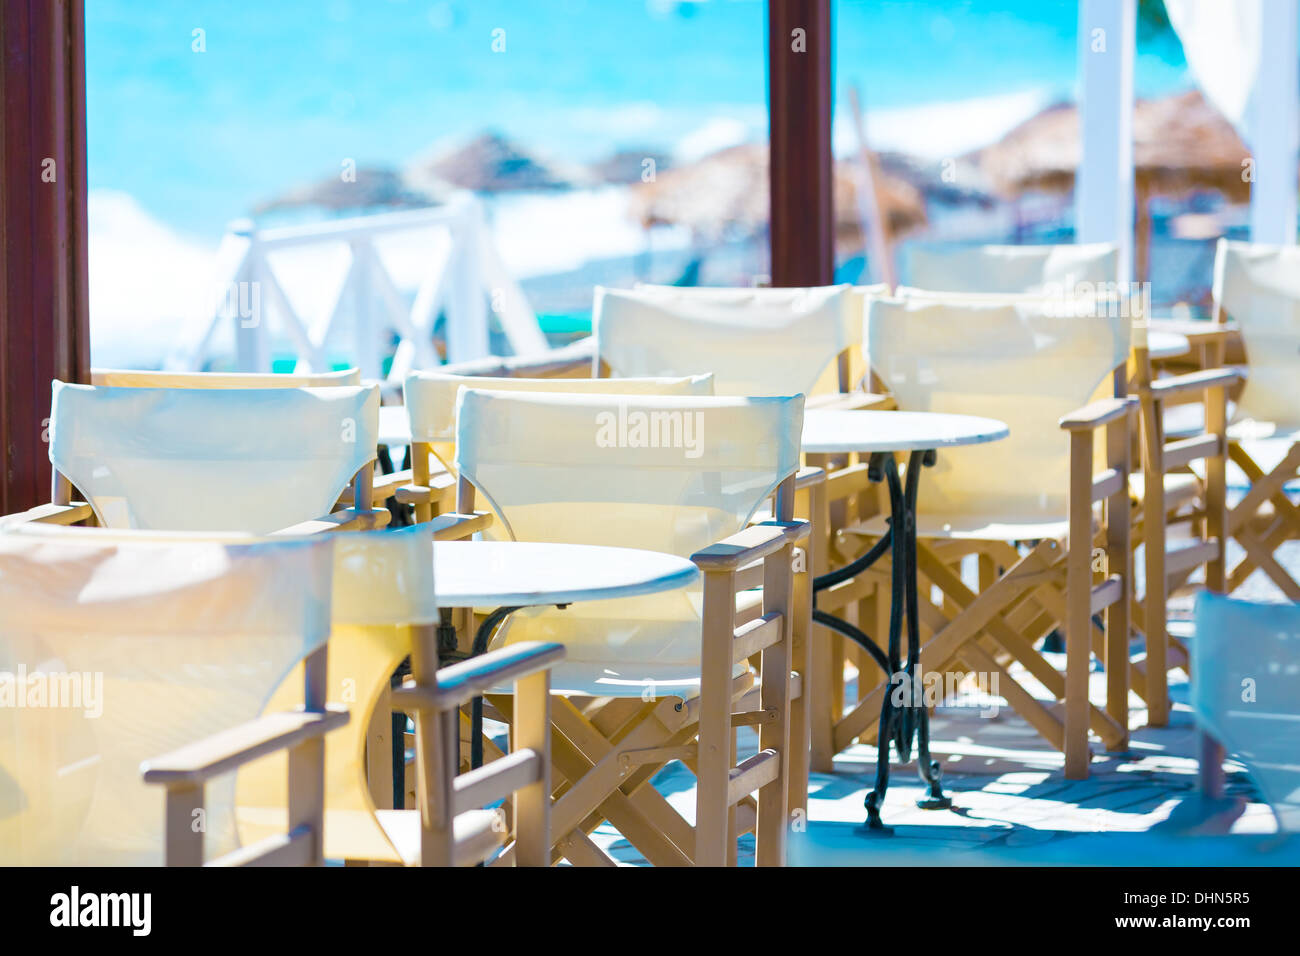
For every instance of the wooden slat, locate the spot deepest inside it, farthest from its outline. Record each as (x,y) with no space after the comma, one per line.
(495,781)
(438,486)
(1182,559)
(1107,593)
(752,773)
(1107,483)
(229,749)
(1195,381)
(51,514)
(347,520)
(756,635)
(282,849)
(1177,454)
(455,527)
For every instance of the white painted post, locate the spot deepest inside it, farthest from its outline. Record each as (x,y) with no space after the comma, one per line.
(252,351)
(467,312)
(1103,192)
(1274,114)
(366,321)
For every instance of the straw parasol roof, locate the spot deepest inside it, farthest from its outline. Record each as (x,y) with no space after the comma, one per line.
(1180,144)
(374,186)
(727,193)
(491,163)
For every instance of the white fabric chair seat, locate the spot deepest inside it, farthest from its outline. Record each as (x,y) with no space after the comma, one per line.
(478,835)
(614,650)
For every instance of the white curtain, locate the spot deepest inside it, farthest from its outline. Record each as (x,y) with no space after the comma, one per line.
(1221,40)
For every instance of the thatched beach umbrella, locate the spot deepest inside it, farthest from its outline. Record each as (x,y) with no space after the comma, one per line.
(1180,144)
(726,194)
(368,188)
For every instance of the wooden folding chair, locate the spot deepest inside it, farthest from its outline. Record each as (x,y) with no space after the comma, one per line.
(135,644)
(1256,287)
(255,460)
(768,341)
(1246,656)
(651,680)
(384,609)
(1026,506)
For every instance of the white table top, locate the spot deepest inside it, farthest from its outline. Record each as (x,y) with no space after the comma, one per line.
(525,574)
(394,426)
(837,431)
(825,431)
(1167,344)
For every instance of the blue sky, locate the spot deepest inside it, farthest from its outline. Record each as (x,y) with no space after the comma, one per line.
(288,89)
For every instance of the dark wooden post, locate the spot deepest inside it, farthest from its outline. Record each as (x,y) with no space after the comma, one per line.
(44,330)
(799,104)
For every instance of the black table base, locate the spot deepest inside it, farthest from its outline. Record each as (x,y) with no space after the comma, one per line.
(908,720)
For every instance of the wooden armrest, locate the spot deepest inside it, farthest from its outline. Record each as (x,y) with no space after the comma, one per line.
(439,484)
(749,544)
(385,486)
(1196,381)
(230,749)
(455,527)
(1196,332)
(808,476)
(460,683)
(346,520)
(1097,414)
(51,514)
(851,401)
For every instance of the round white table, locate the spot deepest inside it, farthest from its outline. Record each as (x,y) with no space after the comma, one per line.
(830,431)
(394,426)
(531,574)
(882,435)
(509,575)
(838,431)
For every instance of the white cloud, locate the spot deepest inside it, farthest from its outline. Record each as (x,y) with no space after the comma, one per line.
(940,130)
(717,133)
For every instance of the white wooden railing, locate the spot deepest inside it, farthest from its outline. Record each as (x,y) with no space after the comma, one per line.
(464,280)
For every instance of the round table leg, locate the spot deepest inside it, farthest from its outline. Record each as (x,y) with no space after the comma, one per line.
(928,769)
(906,720)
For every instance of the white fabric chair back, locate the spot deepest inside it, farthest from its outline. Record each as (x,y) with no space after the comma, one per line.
(1017,362)
(661,473)
(1245,669)
(1012,269)
(1258,287)
(120,647)
(430,397)
(754,341)
(194,459)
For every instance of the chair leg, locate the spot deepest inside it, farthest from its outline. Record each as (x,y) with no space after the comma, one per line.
(1078,614)
(1210,776)
(712,826)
